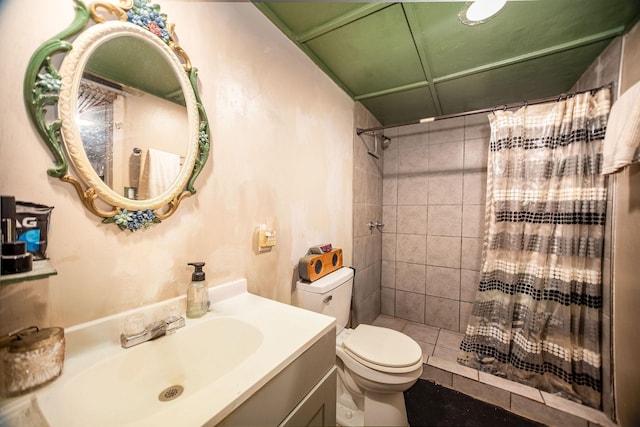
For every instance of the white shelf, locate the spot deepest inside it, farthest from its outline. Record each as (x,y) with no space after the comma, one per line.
(41,269)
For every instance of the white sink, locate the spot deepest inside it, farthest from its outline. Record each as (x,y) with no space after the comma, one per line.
(127,386)
(203,371)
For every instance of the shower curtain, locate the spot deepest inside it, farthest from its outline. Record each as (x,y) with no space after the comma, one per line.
(536,318)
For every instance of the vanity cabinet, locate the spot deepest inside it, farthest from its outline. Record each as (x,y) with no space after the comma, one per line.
(303,394)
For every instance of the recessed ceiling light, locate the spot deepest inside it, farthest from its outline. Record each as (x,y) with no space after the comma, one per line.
(480,11)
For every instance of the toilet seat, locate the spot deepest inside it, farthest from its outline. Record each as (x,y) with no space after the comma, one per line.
(382,349)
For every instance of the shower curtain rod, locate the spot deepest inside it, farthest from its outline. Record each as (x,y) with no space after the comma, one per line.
(360,131)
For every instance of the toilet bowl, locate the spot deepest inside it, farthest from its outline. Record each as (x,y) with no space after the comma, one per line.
(375,365)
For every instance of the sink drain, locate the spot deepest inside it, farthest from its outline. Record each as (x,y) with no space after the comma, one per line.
(170,393)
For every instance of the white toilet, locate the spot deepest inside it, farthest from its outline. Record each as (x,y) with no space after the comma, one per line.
(375,365)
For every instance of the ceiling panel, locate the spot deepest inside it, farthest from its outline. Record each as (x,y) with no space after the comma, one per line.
(522,29)
(372,53)
(406,61)
(537,78)
(403,106)
(302,17)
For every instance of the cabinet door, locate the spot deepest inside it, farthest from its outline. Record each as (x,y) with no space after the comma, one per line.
(318,408)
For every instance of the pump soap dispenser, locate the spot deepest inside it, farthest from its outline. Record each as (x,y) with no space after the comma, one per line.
(197,293)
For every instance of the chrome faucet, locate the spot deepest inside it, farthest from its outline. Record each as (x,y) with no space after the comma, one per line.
(157,329)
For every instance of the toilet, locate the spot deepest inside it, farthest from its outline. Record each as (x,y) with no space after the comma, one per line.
(375,365)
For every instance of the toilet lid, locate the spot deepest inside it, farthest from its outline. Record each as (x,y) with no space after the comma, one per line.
(382,347)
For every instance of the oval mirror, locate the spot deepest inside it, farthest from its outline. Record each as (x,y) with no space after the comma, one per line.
(138,130)
(130,106)
(130,117)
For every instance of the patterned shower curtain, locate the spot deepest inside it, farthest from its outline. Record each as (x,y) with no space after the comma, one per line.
(536,318)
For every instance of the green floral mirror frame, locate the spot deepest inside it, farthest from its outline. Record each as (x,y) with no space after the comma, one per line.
(140,24)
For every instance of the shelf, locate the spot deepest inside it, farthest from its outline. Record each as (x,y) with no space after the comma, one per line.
(41,269)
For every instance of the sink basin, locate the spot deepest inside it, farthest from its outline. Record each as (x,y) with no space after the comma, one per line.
(197,376)
(127,386)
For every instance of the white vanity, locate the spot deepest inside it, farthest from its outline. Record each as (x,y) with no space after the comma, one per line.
(249,361)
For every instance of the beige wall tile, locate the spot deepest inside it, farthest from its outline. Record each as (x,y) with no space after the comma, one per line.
(469,281)
(443,251)
(443,282)
(446,130)
(410,306)
(373,213)
(369,308)
(445,189)
(359,253)
(373,189)
(411,248)
(390,162)
(366,282)
(471,253)
(389,219)
(475,154)
(387,301)
(360,220)
(359,185)
(389,247)
(390,190)
(444,220)
(410,277)
(476,126)
(442,313)
(411,219)
(373,249)
(447,157)
(413,136)
(465,313)
(413,160)
(413,189)
(388,274)
(474,188)
(473,221)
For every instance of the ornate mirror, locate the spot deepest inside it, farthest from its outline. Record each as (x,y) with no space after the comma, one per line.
(129,117)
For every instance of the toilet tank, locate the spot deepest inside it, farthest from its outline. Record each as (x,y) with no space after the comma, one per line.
(330,295)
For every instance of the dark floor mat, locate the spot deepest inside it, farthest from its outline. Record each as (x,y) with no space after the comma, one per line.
(429,404)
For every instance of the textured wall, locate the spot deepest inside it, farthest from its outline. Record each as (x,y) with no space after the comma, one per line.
(282,154)
(626,247)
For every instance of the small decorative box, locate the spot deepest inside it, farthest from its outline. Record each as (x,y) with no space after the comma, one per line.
(30,359)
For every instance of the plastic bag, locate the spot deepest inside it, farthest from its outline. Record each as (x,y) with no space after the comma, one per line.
(32,227)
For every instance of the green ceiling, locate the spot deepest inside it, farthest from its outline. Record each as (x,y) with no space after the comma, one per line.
(407,61)
(134,63)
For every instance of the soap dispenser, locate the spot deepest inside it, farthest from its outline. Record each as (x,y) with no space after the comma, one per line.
(197,293)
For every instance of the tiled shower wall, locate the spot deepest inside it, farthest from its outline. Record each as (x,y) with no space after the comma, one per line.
(367,207)
(434,183)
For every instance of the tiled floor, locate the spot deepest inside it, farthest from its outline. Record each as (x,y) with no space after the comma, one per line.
(440,350)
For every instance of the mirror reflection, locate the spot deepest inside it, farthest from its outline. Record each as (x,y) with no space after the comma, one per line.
(132,118)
